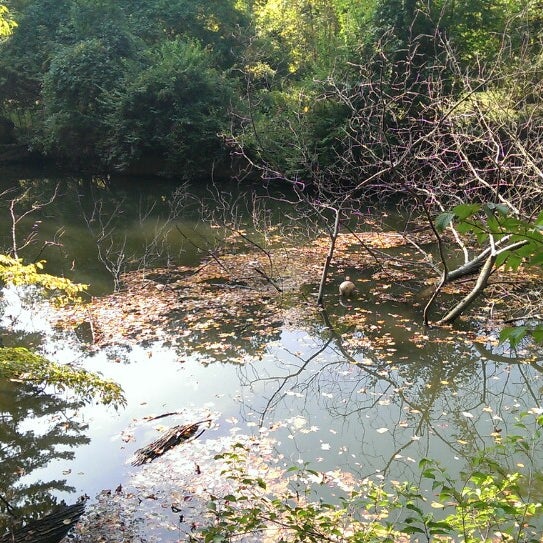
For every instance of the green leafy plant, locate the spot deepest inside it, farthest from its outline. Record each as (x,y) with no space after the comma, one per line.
(14,272)
(487,502)
(7,24)
(20,364)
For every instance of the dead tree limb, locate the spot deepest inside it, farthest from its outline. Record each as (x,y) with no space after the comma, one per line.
(51,528)
(331,248)
(173,437)
(479,286)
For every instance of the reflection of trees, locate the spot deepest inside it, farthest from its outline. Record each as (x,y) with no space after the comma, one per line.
(448,398)
(90,223)
(35,429)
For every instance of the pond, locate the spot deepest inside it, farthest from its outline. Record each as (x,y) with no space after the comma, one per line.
(372,402)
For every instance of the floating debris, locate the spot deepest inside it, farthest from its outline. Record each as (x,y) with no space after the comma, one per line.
(173,437)
(51,528)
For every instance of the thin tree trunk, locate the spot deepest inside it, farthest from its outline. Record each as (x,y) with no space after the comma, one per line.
(329,257)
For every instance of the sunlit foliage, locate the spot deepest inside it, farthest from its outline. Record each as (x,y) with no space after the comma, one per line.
(14,272)
(7,24)
(485,501)
(21,364)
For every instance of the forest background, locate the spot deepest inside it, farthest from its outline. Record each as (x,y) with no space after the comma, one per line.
(315,91)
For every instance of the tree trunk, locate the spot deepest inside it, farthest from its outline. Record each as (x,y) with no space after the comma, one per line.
(329,257)
(480,285)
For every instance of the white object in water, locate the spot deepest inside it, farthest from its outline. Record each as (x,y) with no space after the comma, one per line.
(347,289)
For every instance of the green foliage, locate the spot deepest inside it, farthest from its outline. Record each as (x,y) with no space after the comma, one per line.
(73,92)
(18,363)
(7,24)
(493,223)
(515,334)
(174,108)
(484,502)
(14,272)
(294,131)
(475,27)
(26,56)
(214,25)
(90,71)
(80,63)
(307,31)
(292,515)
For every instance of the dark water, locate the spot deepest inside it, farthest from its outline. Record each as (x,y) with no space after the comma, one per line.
(333,404)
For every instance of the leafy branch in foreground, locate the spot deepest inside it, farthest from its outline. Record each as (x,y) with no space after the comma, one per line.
(14,272)
(20,364)
(7,24)
(486,502)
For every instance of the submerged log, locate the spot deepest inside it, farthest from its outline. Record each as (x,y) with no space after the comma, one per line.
(173,437)
(51,528)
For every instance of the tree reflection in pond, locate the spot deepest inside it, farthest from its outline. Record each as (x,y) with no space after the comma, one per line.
(36,428)
(384,412)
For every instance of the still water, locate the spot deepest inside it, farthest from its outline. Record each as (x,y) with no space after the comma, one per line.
(316,401)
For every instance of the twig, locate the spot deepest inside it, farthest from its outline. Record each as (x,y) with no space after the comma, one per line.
(268,278)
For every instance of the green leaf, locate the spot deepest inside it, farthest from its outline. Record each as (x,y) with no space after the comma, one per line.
(501,259)
(412,530)
(20,363)
(514,335)
(443,220)
(537,259)
(537,334)
(501,209)
(413,507)
(463,211)
(514,261)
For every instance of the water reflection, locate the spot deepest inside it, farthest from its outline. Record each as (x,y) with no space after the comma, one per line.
(378,416)
(91,229)
(36,428)
(364,388)
(320,399)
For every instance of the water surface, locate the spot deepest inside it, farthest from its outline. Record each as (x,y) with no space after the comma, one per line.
(320,399)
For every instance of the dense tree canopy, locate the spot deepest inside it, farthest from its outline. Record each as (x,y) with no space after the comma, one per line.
(293,86)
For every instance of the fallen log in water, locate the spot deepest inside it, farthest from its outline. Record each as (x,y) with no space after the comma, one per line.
(173,437)
(51,528)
